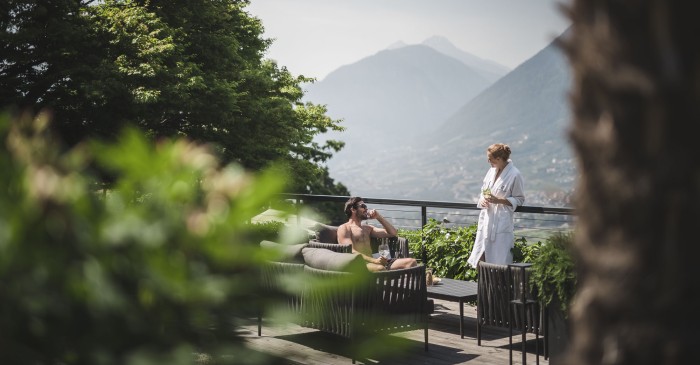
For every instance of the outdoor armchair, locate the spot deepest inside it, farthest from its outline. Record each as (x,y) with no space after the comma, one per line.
(496,289)
(340,296)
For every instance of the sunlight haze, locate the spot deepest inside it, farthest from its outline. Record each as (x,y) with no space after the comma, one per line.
(315,37)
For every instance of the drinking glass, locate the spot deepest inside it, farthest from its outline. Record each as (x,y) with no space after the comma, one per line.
(384,250)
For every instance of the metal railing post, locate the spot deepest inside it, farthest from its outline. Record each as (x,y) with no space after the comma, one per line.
(424,221)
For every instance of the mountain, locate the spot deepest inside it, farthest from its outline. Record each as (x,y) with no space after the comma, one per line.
(527,109)
(393,96)
(398,44)
(491,70)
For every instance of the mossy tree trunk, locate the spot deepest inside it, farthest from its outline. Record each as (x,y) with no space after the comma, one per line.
(635,98)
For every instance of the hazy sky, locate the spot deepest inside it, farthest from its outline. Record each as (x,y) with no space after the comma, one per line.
(315,37)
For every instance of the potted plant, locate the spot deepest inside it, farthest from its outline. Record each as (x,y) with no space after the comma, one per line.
(553,277)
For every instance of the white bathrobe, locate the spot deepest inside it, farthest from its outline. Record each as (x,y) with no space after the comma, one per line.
(494,234)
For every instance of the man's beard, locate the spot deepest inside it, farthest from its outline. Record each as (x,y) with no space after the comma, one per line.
(363,216)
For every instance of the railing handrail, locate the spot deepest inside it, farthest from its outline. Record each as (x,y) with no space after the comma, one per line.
(424,203)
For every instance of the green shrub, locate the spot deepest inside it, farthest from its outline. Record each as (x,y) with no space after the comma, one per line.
(554,274)
(269,230)
(152,270)
(524,251)
(447,248)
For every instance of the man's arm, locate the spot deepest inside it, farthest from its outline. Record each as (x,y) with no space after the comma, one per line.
(387,231)
(379,261)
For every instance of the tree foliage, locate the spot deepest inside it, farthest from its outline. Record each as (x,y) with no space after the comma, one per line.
(172,68)
(160,267)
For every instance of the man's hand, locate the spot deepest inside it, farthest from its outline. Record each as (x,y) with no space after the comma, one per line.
(387,231)
(372,214)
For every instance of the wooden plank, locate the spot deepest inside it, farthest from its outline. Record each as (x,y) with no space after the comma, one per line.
(301,345)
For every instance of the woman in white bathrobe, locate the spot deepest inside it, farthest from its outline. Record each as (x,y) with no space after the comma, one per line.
(501,193)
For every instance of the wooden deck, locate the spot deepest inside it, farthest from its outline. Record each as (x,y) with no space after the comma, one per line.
(299,345)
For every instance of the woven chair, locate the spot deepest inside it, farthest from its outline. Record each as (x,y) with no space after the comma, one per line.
(270,282)
(495,291)
(389,302)
(336,247)
(326,233)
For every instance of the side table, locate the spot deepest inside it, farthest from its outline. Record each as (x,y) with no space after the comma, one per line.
(455,291)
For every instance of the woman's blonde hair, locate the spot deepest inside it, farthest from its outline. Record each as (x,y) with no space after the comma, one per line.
(499,150)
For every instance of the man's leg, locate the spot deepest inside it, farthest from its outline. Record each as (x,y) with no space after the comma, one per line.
(403,263)
(374,267)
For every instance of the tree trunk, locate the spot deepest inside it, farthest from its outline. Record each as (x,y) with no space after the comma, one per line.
(636,67)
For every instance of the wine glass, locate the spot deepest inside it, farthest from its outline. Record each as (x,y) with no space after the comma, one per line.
(384,250)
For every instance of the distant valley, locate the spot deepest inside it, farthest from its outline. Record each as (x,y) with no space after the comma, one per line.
(419,119)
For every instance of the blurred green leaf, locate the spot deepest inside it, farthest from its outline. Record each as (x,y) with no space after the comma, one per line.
(146,270)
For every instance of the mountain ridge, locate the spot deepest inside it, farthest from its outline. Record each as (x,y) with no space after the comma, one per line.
(395,94)
(527,109)
(489,69)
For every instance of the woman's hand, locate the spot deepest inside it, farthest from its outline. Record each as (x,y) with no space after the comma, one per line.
(492,200)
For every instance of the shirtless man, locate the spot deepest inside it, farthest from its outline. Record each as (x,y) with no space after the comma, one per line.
(355,233)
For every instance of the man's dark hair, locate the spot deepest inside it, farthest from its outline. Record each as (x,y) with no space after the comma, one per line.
(351,203)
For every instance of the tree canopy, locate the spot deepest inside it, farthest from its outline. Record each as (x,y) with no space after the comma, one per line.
(173,68)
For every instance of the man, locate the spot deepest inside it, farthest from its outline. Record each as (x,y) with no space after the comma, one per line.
(359,235)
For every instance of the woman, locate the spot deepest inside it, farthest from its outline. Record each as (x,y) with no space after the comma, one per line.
(501,193)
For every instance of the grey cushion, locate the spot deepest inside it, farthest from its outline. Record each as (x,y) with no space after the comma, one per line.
(326,233)
(288,253)
(324,259)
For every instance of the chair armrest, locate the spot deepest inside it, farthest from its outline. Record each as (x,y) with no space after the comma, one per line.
(336,247)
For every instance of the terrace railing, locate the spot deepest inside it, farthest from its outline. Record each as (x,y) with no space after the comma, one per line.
(532,222)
